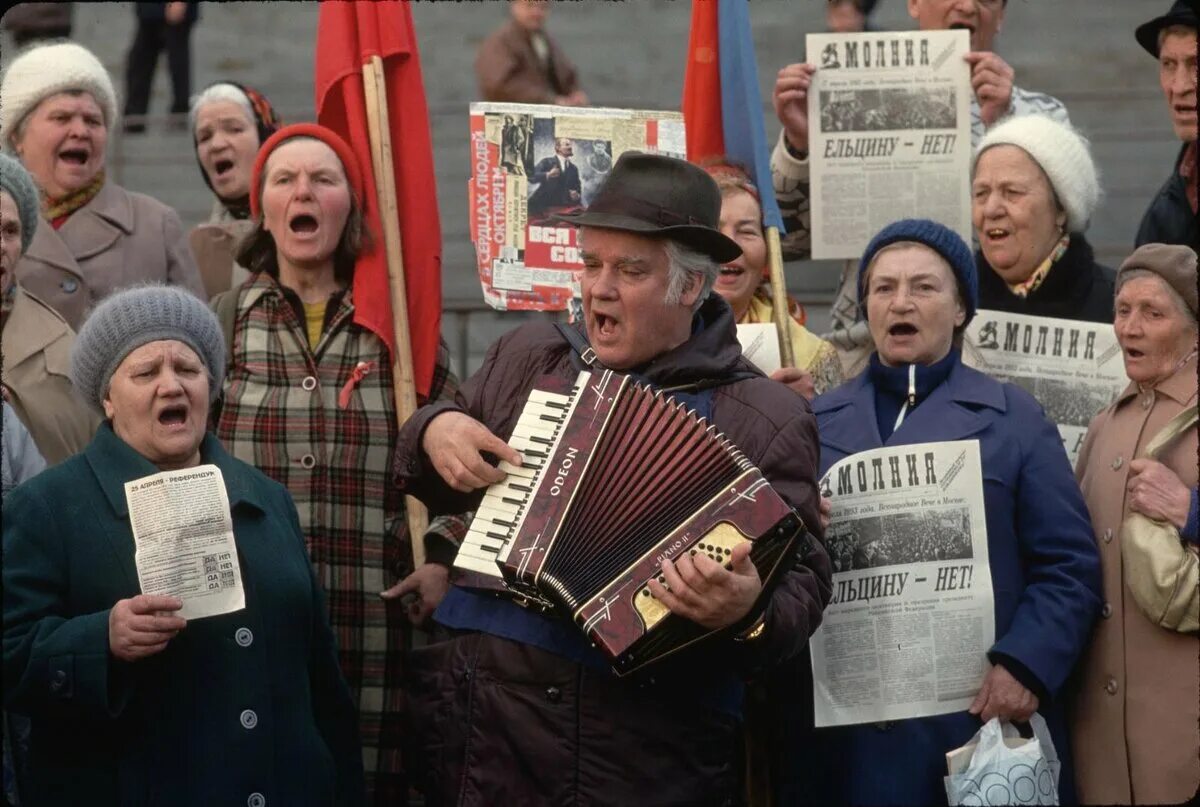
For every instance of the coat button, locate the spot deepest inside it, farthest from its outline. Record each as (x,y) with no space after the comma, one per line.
(1108,535)
(1106,611)
(1117,463)
(249,719)
(1148,401)
(309,384)
(58,681)
(244,637)
(69,286)
(1111,686)
(553,694)
(256,800)
(308,461)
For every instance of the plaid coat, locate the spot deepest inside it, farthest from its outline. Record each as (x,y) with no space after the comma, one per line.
(323,423)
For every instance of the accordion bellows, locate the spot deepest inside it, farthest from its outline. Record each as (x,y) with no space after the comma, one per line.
(616,478)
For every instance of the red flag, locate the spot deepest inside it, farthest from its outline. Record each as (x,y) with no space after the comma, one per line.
(348,35)
(702,85)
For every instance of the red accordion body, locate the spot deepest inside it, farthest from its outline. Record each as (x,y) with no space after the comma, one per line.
(617,478)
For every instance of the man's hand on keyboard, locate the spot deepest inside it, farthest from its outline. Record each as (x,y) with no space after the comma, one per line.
(454,443)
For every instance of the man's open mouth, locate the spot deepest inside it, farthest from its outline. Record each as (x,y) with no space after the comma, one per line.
(604,324)
(73,156)
(902,329)
(173,415)
(304,223)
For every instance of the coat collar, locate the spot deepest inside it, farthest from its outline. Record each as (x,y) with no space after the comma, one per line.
(712,352)
(30,328)
(90,230)
(952,411)
(1180,387)
(114,463)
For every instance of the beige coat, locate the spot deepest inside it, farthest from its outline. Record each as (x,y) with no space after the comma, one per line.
(36,354)
(116,240)
(1136,718)
(214,244)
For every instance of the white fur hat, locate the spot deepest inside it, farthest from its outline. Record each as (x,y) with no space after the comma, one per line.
(1062,153)
(44,70)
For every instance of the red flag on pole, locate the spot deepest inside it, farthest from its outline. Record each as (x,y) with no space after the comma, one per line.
(349,34)
(702,84)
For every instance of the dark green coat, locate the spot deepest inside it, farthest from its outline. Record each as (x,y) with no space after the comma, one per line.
(247,708)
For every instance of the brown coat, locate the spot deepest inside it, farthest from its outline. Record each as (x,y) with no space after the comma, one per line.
(116,240)
(36,355)
(214,245)
(508,69)
(1136,721)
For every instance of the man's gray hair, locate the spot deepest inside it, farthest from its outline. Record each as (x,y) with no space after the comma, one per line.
(684,265)
(1134,274)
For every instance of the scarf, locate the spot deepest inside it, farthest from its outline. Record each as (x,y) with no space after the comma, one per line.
(57,211)
(1030,284)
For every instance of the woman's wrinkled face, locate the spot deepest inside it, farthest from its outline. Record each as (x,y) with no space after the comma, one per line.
(741,220)
(226,143)
(1015,214)
(62,142)
(1153,333)
(912,305)
(305,202)
(157,401)
(10,240)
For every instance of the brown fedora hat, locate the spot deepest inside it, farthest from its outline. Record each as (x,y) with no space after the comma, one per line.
(651,194)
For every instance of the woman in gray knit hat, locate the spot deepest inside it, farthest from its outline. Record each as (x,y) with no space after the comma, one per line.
(37,340)
(130,703)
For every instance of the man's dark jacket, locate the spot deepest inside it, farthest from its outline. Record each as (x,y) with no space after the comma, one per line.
(504,722)
(554,191)
(1169,219)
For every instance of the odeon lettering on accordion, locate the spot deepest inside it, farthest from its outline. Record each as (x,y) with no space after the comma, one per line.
(615,479)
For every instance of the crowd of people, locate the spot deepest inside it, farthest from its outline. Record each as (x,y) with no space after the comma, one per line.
(132,347)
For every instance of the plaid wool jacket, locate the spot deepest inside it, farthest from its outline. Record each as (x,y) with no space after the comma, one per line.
(323,424)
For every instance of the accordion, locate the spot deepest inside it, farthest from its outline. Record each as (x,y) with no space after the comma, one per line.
(615,479)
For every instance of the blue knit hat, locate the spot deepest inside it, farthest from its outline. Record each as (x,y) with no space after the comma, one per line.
(942,240)
(16,182)
(128,319)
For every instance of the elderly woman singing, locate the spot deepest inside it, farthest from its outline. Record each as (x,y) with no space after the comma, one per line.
(1136,722)
(129,703)
(919,284)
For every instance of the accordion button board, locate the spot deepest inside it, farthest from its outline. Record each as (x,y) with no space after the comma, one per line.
(616,478)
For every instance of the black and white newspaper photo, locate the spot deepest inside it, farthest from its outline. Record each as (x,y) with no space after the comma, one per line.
(183,538)
(1074,369)
(911,620)
(889,134)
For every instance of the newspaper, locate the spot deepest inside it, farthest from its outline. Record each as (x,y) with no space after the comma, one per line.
(889,135)
(911,621)
(760,345)
(529,162)
(1074,369)
(183,539)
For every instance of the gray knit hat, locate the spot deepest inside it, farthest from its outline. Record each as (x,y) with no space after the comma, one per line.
(137,316)
(16,182)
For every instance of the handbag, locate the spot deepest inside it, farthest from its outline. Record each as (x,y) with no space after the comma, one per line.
(1162,573)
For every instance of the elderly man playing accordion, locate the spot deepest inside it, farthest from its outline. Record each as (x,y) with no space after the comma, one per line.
(517,707)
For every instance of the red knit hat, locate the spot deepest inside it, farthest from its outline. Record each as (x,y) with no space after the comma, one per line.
(318,132)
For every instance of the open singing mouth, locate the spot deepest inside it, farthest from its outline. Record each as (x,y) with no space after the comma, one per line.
(173,415)
(304,223)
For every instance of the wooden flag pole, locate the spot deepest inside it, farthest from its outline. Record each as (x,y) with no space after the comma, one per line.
(779,298)
(404,386)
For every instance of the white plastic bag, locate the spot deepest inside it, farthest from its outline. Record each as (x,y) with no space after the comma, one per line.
(1005,769)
